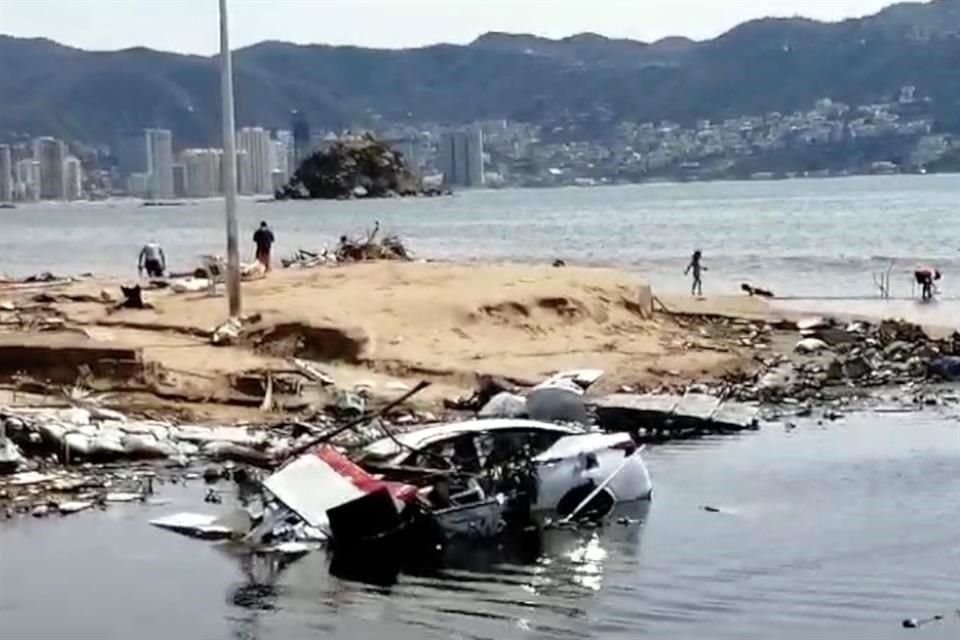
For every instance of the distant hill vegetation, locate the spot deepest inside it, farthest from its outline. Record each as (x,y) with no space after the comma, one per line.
(757,67)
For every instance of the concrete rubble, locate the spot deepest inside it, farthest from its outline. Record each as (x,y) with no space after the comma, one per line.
(823,361)
(835,358)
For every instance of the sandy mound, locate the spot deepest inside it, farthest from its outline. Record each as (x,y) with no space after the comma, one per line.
(376,322)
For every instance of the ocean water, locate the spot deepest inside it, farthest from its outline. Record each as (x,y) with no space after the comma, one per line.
(820,239)
(835,532)
(830,532)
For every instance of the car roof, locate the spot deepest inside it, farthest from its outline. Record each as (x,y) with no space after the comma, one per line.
(569,447)
(420,438)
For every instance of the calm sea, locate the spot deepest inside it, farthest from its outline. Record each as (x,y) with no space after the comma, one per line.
(835,533)
(803,238)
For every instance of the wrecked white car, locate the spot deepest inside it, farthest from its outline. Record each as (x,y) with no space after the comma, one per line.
(567,463)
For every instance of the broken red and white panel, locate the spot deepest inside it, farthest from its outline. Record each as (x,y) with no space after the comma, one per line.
(324,478)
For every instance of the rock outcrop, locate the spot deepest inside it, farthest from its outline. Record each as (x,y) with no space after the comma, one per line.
(358,168)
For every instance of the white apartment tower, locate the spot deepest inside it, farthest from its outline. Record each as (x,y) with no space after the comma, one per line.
(203,172)
(159,163)
(72,178)
(245,183)
(256,142)
(28,180)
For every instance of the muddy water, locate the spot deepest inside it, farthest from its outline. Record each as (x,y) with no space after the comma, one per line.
(823,532)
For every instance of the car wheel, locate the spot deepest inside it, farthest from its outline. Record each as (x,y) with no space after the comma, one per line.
(599,506)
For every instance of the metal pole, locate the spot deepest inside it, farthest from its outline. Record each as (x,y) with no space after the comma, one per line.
(230,165)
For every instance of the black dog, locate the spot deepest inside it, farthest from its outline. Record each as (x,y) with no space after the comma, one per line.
(755,291)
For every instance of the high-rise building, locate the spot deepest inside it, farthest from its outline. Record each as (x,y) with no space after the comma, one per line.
(51,154)
(179,180)
(281,160)
(203,172)
(73,178)
(259,148)
(287,164)
(27,180)
(461,158)
(159,163)
(244,173)
(6,174)
(131,153)
(301,138)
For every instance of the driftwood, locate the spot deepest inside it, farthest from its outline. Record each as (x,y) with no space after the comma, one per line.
(390,247)
(882,281)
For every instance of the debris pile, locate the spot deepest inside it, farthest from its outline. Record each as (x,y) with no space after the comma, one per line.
(361,167)
(834,357)
(100,435)
(370,246)
(407,495)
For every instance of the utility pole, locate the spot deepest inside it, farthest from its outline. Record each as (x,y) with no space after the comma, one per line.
(230,165)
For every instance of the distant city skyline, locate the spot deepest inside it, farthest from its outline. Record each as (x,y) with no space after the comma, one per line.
(160,24)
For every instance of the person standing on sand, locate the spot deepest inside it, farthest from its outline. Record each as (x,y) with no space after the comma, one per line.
(697,288)
(152,259)
(263,238)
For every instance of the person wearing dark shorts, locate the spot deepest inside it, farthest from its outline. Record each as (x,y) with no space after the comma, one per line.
(263,238)
(925,276)
(152,260)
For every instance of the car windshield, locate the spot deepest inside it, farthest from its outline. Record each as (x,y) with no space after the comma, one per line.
(475,450)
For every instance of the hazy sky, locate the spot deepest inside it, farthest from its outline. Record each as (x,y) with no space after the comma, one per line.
(190,26)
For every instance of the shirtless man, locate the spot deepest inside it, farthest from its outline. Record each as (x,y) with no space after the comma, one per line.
(152,259)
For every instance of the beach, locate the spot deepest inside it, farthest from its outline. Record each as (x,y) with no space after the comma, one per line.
(386,322)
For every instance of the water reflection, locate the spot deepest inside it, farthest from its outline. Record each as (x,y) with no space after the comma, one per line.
(540,569)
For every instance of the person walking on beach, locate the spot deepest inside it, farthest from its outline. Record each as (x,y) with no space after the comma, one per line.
(263,238)
(696,288)
(152,259)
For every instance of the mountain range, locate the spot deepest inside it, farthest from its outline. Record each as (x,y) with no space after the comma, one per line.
(759,66)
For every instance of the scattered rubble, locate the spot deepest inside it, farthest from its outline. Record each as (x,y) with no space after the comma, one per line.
(837,359)
(371,246)
(389,247)
(408,495)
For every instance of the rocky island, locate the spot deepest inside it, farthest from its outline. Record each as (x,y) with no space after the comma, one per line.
(362,167)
